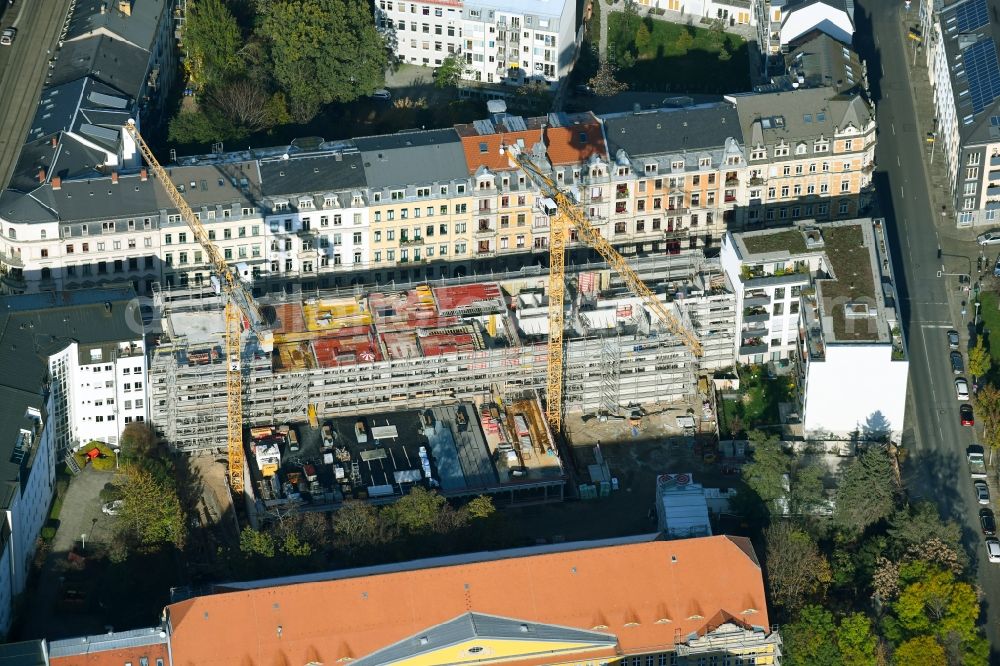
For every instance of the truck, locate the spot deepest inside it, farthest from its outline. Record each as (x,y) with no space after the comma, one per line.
(977,461)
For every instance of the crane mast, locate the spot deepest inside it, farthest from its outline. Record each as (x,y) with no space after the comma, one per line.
(569,213)
(240,305)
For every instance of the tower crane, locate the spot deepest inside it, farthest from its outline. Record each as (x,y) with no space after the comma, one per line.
(240,306)
(569,214)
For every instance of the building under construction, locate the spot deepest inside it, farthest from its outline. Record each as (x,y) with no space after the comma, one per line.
(416,347)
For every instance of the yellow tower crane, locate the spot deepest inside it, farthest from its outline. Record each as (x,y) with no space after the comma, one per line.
(240,305)
(569,214)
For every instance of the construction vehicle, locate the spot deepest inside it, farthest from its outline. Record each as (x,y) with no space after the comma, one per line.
(240,309)
(568,213)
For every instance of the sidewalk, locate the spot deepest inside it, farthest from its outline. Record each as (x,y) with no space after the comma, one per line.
(923,105)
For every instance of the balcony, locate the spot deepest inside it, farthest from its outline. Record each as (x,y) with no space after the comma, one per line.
(729,198)
(753,349)
(755,299)
(485,230)
(621,192)
(756,180)
(755,314)
(993,191)
(732,182)
(13,280)
(995,161)
(12,260)
(406,240)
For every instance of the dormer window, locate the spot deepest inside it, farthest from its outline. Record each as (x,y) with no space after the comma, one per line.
(328,202)
(305,203)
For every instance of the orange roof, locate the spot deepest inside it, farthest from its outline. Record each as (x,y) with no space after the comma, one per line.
(659,589)
(484,150)
(574,144)
(118,657)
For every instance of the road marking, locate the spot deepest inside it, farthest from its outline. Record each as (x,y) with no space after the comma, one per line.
(945,325)
(901,192)
(882,66)
(898,163)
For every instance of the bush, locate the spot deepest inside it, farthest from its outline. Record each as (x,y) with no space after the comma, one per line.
(104,462)
(110,492)
(48,534)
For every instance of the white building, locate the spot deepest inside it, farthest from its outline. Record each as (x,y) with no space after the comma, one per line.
(842,326)
(499,41)
(780,22)
(731,12)
(46,345)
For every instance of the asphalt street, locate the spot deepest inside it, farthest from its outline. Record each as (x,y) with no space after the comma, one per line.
(936,442)
(24,65)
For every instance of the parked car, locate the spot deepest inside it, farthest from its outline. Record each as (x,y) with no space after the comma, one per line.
(7,36)
(382,93)
(112,508)
(993,550)
(957,364)
(962,389)
(966,415)
(982,492)
(989,238)
(988,522)
(953,339)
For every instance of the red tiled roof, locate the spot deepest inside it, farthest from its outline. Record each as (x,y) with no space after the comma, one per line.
(575,143)
(644,593)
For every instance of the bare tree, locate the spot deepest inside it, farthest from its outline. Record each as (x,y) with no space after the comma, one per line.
(796,569)
(244,102)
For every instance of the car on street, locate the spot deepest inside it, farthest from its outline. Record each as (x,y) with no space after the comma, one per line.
(966,415)
(7,36)
(952,339)
(993,550)
(112,508)
(982,492)
(989,238)
(988,522)
(957,364)
(962,389)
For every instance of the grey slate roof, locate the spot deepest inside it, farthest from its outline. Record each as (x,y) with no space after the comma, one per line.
(821,61)
(103,16)
(311,173)
(25,653)
(671,130)
(34,326)
(119,640)
(798,114)
(982,128)
(110,61)
(432,156)
(478,625)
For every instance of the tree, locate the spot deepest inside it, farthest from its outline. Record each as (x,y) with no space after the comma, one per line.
(684,42)
(357,526)
(988,412)
(198,127)
(933,601)
(150,516)
(980,360)
(643,37)
(765,474)
(212,39)
(480,508)
(920,651)
(140,447)
(919,523)
(604,83)
(254,543)
(419,511)
(449,73)
(796,570)
(811,640)
(323,51)
(244,102)
(807,488)
(867,493)
(855,640)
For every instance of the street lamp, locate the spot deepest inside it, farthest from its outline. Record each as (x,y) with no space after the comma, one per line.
(117,450)
(83,538)
(976,324)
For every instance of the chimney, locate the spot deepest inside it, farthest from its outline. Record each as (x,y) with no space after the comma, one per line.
(55,142)
(143,174)
(114,177)
(41,175)
(56,183)
(104,8)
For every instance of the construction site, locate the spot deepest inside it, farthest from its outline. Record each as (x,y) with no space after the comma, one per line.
(412,360)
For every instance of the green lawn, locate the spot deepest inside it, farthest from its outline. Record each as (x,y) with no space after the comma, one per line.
(757,403)
(662,56)
(989,322)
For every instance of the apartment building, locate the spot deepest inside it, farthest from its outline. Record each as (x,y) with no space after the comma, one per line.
(731,12)
(782,22)
(48,398)
(961,51)
(635,600)
(677,176)
(824,295)
(427,203)
(498,41)
(811,154)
